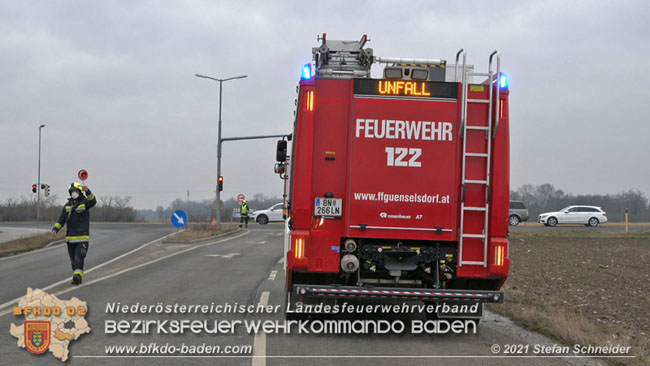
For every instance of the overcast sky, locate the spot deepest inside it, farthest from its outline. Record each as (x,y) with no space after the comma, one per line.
(113,81)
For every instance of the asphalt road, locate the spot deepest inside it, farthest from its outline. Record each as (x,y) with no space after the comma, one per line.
(243,268)
(41,268)
(614,226)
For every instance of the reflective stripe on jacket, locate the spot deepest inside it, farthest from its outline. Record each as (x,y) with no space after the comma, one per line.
(77,218)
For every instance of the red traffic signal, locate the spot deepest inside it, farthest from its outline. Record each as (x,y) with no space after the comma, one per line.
(34,186)
(220,183)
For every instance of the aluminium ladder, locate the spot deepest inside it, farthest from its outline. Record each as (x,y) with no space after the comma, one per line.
(484,156)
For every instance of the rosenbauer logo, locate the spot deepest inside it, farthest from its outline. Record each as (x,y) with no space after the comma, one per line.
(385,215)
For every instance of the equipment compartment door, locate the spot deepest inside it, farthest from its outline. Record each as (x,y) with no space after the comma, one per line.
(403,168)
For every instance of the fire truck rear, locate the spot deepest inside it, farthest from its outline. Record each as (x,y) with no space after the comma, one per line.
(397,187)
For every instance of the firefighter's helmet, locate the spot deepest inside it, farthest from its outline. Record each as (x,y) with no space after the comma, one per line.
(73,186)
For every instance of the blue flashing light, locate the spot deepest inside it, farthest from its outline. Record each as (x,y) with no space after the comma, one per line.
(306,72)
(503,81)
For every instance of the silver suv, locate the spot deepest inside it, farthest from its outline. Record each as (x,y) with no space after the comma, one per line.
(518,213)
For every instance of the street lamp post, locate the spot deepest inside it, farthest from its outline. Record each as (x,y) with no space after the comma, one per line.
(218,193)
(38,187)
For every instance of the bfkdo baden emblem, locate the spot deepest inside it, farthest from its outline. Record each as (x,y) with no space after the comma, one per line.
(37,336)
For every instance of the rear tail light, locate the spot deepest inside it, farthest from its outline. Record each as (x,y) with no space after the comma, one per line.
(299,248)
(605,214)
(499,255)
(310,100)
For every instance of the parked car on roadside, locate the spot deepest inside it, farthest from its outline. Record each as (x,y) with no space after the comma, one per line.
(518,213)
(273,213)
(587,215)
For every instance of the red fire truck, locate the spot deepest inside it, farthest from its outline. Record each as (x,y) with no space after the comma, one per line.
(398,186)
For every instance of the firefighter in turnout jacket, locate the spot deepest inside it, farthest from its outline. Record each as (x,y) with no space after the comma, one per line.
(75,214)
(243,213)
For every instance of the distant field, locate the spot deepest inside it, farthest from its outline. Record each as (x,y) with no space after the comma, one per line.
(588,287)
(533,223)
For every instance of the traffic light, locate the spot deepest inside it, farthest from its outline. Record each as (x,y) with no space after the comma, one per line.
(34,186)
(220,183)
(47,190)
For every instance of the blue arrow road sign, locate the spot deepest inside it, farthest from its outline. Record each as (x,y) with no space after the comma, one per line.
(179,218)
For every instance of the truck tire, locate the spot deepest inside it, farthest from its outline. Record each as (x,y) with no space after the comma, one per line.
(262,219)
(514,220)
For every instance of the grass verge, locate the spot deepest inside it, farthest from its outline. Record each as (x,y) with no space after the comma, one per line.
(201,231)
(29,243)
(570,326)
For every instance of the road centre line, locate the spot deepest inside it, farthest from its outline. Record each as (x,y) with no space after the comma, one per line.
(272,275)
(119,272)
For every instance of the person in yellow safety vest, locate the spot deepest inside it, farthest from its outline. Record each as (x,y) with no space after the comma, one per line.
(243,213)
(75,214)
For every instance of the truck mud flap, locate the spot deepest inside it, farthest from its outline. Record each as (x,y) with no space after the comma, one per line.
(398,293)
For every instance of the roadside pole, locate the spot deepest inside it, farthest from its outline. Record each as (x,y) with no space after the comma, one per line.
(38,185)
(627,220)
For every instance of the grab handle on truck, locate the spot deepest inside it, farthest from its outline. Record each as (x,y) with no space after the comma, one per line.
(496,84)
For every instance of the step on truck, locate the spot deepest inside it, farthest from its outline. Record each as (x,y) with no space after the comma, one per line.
(397,187)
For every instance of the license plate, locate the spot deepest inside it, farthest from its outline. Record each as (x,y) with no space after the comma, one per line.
(328,206)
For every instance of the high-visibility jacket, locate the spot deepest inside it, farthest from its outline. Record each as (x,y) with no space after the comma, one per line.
(244,209)
(75,214)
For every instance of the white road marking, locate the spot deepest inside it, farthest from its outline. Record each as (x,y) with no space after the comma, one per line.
(259,342)
(227,256)
(257,242)
(56,243)
(116,273)
(281,260)
(272,275)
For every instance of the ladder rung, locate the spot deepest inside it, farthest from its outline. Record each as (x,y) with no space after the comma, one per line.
(478,74)
(478,101)
(475,181)
(479,236)
(484,128)
(473,263)
(474,208)
(480,155)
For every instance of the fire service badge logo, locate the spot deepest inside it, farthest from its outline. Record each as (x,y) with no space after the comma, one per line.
(37,336)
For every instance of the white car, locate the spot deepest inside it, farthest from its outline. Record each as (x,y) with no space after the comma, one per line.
(587,215)
(273,213)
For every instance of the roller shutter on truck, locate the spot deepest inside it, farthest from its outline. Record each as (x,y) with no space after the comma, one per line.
(403,169)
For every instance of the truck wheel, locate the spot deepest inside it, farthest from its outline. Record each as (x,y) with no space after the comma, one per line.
(262,219)
(593,221)
(552,221)
(514,220)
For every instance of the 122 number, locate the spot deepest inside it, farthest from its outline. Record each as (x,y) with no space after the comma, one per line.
(396,156)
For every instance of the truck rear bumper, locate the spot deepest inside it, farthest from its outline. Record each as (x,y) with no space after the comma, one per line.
(398,293)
